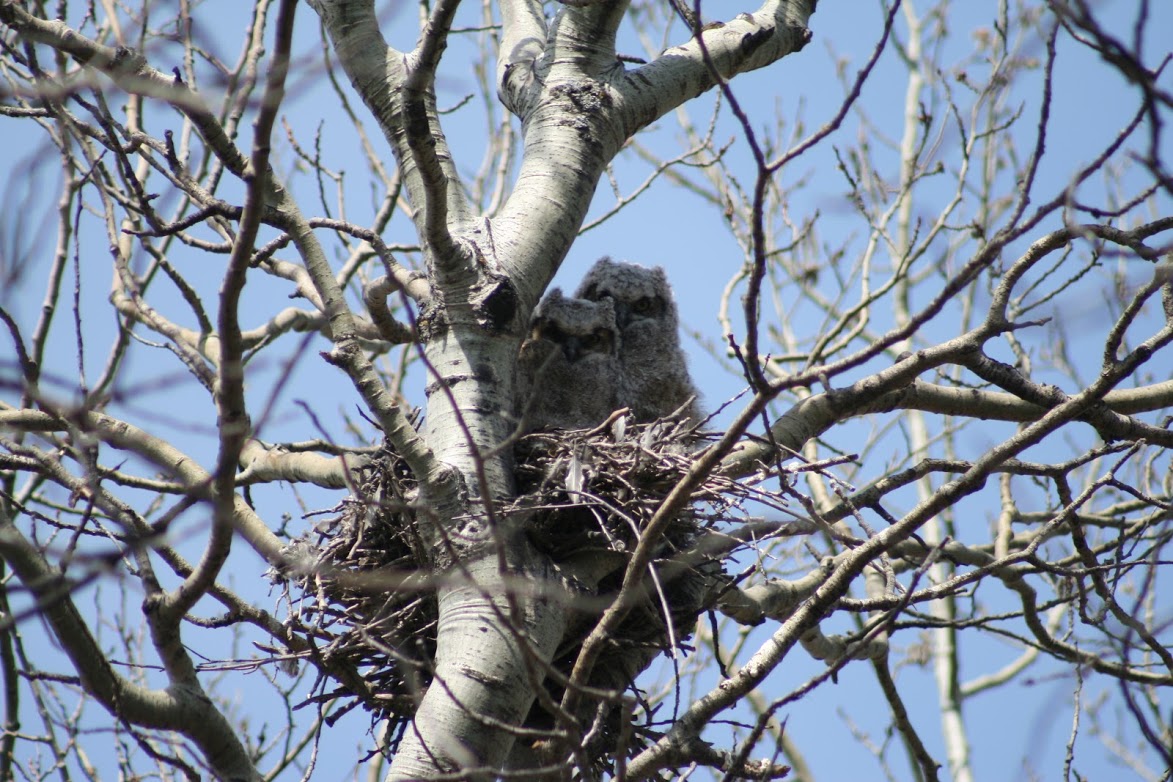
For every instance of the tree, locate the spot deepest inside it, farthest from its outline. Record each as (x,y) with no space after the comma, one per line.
(852,487)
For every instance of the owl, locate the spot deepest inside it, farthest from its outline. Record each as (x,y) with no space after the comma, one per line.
(654,366)
(569,376)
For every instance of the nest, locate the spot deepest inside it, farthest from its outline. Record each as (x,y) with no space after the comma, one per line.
(583,494)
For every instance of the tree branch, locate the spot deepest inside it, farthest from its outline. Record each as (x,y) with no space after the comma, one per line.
(157,451)
(745,43)
(523,41)
(184,709)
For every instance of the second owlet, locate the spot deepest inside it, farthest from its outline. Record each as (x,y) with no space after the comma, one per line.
(653,362)
(569,376)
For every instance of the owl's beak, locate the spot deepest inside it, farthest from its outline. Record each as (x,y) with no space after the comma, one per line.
(622,314)
(572,347)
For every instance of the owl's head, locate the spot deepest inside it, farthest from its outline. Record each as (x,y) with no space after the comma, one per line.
(641,296)
(579,327)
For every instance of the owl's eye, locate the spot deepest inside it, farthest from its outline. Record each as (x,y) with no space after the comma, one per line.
(646,306)
(544,329)
(590,341)
(598,340)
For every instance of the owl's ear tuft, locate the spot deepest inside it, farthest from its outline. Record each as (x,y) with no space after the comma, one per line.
(553,296)
(606,305)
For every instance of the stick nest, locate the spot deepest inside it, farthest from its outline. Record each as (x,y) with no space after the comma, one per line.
(360,578)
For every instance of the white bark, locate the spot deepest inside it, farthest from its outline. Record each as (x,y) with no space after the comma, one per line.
(578,106)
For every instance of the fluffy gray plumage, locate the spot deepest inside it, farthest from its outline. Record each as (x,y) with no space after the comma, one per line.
(569,375)
(653,363)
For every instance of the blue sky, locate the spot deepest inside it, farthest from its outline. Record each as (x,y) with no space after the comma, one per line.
(665,226)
